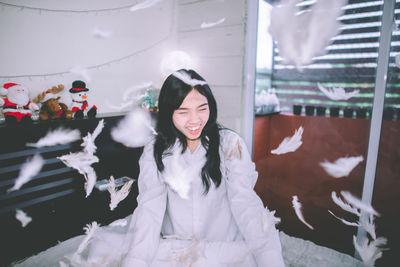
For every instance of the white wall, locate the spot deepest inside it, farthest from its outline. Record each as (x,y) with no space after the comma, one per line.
(42,42)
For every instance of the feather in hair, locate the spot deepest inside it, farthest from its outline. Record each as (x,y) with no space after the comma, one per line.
(135,129)
(206,25)
(88,141)
(144,4)
(337,93)
(28,170)
(58,136)
(118,196)
(370,250)
(302,35)
(299,214)
(184,77)
(290,144)
(22,217)
(342,166)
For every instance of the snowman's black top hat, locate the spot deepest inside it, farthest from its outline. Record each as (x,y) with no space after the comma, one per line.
(78,86)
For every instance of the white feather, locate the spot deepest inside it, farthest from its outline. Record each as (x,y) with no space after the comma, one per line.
(299,214)
(344,205)
(22,217)
(344,221)
(120,222)
(63,264)
(300,36)
(269,220)
(90,230)
(184,77)
(135,129)
(189,255)
(88,141)
(178,176)
(206,25)
(144,4)
(76,259)
(28,170)
(337,93)
(342,166)
(82,161)
(132,92)
(357,203)
(58,136)
(101,34)
(118,196)
(370,250)
(81,71)
(367,222)
(290,144)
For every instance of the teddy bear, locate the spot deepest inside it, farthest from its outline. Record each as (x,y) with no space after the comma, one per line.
(16,105)
(80,105)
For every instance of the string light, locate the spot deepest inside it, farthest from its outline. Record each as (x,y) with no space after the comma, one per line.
(108,63)
(95,11)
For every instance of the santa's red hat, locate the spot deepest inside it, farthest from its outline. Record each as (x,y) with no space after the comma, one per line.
(7,86)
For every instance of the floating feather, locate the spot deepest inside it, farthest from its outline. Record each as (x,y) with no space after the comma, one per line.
(269,220)
(344,205)
(88,140)
(206,25)
(63,264)
(297,209)
(100,34)
(22,217)
(188,256)
(76,259)
(83,72)
(118,196)
(184,77)
(344,221)
(58,136)
(370,250)
(367,222)
(342,166)
(234,151)
(178,176)
(144,4)
(132,92)
(31,168)
(302,35)
(290,144)
(357,203)
(337,93)
(82,161)
(135,129)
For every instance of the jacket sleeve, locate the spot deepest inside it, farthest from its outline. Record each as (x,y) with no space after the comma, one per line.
(247,208)
(147,219)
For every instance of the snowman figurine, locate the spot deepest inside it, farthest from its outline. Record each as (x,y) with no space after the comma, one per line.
(80,105)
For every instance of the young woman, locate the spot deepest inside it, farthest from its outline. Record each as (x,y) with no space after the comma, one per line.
(196,203)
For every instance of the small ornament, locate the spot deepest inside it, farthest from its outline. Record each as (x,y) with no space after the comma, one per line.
(80,105)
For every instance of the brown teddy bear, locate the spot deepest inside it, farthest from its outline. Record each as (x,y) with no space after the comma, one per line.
(52,109)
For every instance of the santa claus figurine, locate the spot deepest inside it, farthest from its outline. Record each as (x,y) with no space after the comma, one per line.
(16,105)
(80,105)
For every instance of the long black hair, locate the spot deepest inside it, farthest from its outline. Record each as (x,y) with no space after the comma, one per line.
(172,94)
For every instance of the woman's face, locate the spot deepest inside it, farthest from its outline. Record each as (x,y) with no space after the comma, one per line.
(192,115)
